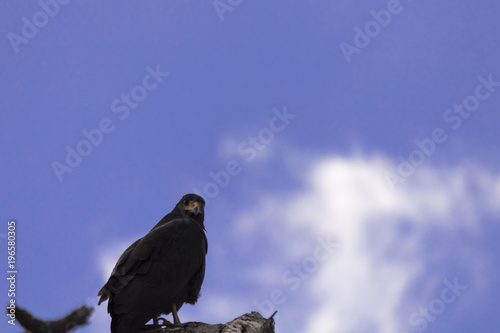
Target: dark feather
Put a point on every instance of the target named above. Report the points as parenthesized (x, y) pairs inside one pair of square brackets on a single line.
[(165, 267)]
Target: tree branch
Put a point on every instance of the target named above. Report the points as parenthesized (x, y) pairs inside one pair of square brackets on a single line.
[(249, 323), (78, 317)]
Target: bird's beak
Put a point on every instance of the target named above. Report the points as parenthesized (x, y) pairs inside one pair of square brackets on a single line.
[(196, 208)]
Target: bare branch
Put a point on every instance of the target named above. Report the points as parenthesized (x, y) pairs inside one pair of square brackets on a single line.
[(78, 317), (249, 323)]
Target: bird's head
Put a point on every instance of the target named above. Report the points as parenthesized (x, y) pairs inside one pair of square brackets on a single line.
[(192, 205)]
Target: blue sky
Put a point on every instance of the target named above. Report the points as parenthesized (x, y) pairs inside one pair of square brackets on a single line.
[(348, 151)]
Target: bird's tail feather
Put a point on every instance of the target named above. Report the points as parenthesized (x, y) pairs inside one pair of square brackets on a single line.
[(127, 324)]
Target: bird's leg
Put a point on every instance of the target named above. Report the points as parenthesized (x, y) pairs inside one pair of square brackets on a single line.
[(174, 314), (155, 319)]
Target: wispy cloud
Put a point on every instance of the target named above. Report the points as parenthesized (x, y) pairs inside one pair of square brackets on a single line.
[(107, 258), (379, 274), (110, 255)]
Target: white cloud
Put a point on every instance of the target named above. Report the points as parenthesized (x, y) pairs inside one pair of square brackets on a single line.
[(213, 308), (368, 281), (109, 256)]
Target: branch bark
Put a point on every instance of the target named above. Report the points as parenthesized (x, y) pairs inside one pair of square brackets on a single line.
[(252, 322)]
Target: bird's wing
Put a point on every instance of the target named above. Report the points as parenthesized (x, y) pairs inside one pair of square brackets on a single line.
[(117, 279), (160, 263)]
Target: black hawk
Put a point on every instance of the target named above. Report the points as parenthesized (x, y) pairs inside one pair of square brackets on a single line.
[(161, 271)]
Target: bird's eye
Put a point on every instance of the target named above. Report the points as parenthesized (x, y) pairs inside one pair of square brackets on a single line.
[(185, 201)]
